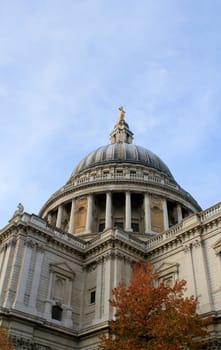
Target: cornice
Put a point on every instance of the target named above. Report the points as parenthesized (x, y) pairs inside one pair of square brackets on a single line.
[(34, 320), (113, 248), (192, 228)]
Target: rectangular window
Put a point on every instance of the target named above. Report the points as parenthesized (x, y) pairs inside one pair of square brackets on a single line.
[(101, 227), (93, 297), (119, 173), (56, 312), (135, 226), (119, 224)]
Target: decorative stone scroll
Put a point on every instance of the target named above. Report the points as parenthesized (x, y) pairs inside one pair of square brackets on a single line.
[(186, 248)]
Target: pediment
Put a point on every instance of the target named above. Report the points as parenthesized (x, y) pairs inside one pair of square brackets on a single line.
[(168, 268), (63, 269)]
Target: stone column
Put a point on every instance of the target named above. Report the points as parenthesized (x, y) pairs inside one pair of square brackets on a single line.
[(59, 216), (179, 213), (108, 218), (72, 217), (89, 213), (23, 277), (147, 214), (165, 215), (36, 278), (49, 218), (128, 212)]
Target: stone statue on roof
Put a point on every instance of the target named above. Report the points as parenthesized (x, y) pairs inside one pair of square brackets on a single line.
[(121, 114), (20, 209)]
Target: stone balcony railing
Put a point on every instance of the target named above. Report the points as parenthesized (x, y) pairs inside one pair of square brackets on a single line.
[(210, 212), (200, 218), (96, 179), (55, 232), (123, 177), (189, 222)]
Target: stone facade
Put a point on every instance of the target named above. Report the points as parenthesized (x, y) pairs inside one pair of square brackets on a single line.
[(57, 269)]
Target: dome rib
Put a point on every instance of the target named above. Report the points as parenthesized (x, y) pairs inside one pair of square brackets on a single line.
[(122, 152)]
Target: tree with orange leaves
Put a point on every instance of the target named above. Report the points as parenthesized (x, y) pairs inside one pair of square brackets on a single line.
[(5, 343), (153, 316)]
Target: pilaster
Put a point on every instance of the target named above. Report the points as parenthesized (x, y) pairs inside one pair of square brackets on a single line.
[(23, 276), (36, 278), (99, 290), (48, 302), (15, 267), (107, 288), (6, 265), (201, 276)]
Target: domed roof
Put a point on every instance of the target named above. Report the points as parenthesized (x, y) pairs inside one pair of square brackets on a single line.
[(121, 150), (122, 153), (152, 173)]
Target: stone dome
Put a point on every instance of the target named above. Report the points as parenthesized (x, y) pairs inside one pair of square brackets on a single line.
[(122, 150), (122, 153), (119, 185)]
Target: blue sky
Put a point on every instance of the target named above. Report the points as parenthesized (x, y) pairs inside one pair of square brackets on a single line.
[(65, 68)]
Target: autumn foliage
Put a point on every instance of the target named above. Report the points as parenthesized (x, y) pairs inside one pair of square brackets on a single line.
[(5, 343), (151, 315)]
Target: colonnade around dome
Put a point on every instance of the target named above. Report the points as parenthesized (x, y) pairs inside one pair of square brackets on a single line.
[(141, 213)]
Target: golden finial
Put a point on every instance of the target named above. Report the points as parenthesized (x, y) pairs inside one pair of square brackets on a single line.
[(121, 114)]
